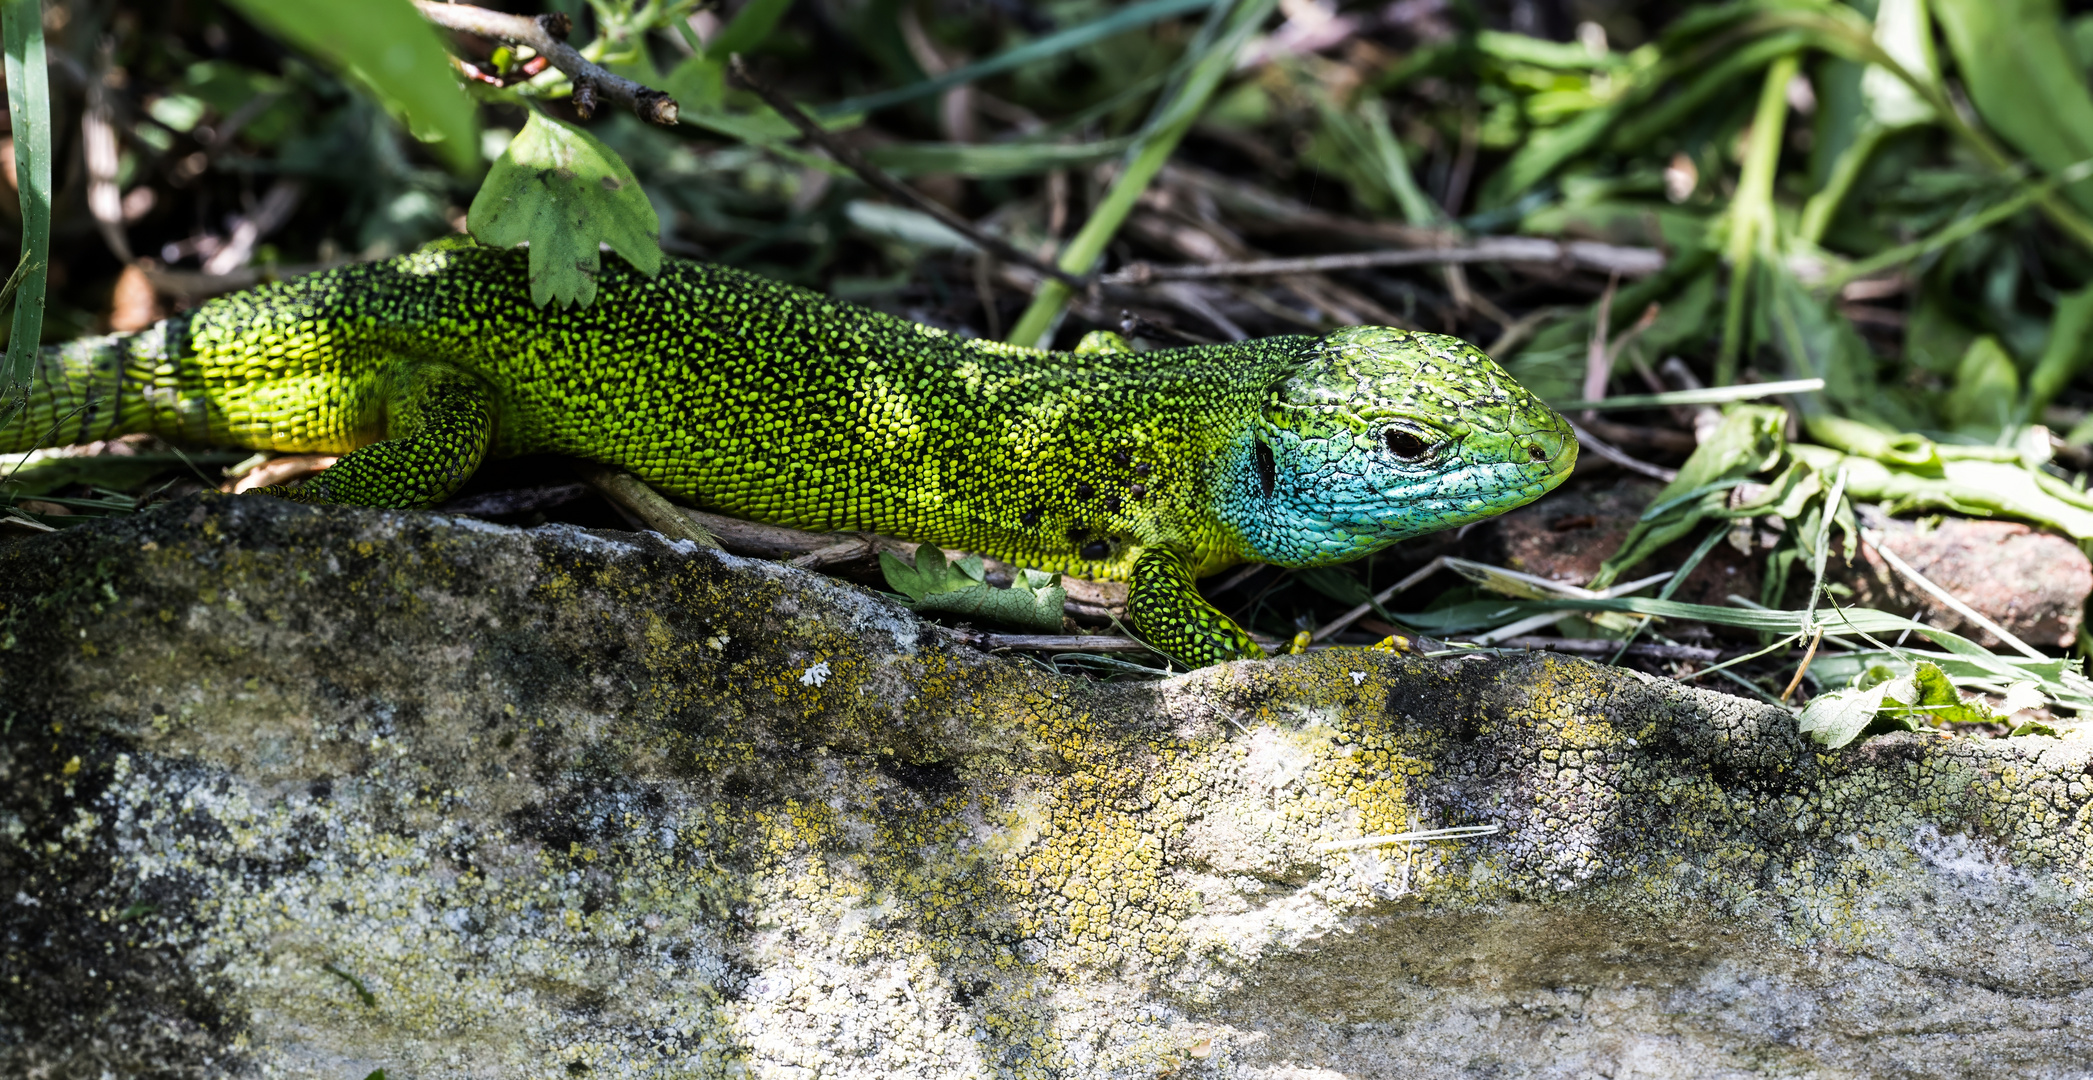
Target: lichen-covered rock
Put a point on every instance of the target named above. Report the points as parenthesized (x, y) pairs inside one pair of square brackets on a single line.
[(296, 791)]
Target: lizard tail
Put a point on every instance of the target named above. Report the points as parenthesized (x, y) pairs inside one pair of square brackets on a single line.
[(92, 389)]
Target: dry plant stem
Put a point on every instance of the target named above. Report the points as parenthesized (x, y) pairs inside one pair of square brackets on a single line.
[(589, 78), (100, 152), (1612, 453), (985, 289), (1597, 646), (1611, 258), (1945, 597), (1596, 368), (1804, 667), (892, 188), (644, 503), (1237, 578), (1054, 643)]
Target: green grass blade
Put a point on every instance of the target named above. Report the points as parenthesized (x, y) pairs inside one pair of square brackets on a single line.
[(1751, 221), (1075, 37), (29, 107), (748, 29), (1157, 141)]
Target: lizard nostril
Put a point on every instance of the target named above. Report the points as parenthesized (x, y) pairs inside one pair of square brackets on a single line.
[(1534, 451)]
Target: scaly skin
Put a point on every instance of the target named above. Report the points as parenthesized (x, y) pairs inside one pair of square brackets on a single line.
[(768, 402)]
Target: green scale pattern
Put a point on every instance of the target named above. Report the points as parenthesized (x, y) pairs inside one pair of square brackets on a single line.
[(734, 392)]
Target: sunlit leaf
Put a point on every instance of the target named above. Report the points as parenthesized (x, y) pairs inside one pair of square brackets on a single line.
[(1838, 717), (560, 191), (2016, 59), (385, 46)]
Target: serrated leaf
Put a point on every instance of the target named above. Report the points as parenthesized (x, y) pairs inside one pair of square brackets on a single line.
[(1924, 697), (1034, 601), (393, 53), (901, 577), (1932, 693), (933, 585), (562, 192)]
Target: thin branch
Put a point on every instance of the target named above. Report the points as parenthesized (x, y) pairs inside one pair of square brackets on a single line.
[(1611, 258), (895, 189), (544, 35), (1598, 366)]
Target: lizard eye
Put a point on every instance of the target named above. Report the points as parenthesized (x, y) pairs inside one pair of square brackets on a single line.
[(1406, 445)]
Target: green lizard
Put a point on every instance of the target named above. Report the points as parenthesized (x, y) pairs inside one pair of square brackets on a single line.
[(773, 403)]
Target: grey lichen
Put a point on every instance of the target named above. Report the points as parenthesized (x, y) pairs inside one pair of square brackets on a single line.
[(564, 803)]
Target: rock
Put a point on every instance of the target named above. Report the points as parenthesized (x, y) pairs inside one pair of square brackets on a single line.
[(2032, 583), (1568, 533), (302, 791)]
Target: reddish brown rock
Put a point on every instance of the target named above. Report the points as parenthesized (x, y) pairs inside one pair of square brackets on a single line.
[(1566, 535), (2031, 582)]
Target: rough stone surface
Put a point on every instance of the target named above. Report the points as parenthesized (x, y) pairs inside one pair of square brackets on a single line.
[(294, 791), (1569, 532), (2031, 582)]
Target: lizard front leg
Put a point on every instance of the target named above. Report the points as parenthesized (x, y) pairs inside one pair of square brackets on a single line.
[(441, 428), (1170, 615)]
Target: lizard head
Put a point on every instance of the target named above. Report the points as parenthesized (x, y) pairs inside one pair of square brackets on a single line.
[(1380, 434)]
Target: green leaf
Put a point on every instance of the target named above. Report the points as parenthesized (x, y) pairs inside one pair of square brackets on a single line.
[(560, 191), (1034, 600), (750, 26), (388, 48), (1973, 487), (29, 106), (1987, 389), (1905, 33), (1838, 717), (2069, 347), (1879, 700), (1750, 440), (2016, 59)]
